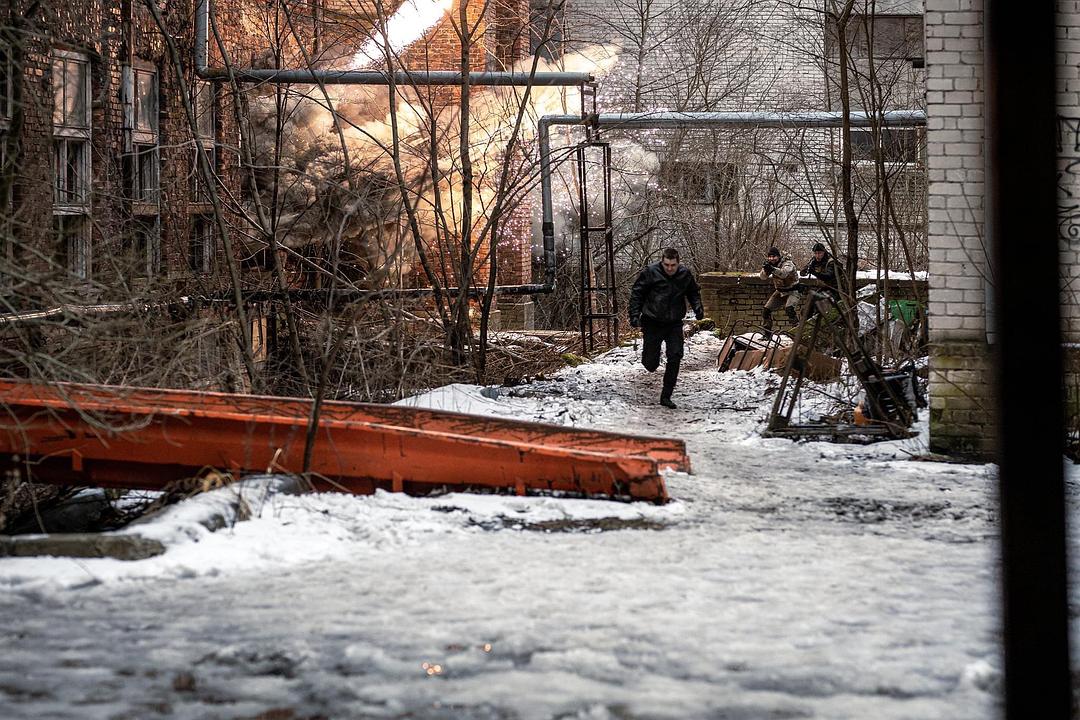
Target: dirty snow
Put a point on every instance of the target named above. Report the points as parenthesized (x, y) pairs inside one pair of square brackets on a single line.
[(786, 580)]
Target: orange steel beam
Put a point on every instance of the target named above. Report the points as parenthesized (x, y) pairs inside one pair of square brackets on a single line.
[(669, 453), (125, 437)]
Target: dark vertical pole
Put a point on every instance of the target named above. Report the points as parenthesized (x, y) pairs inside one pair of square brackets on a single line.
[(1021, 224), (586, 253), (609, 253)]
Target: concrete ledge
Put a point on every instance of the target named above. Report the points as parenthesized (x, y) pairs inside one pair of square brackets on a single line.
[(81, 545), (131, 546), (962, 420)]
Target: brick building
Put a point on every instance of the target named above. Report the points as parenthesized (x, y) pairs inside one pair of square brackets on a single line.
[(104, 202), (100, 163)]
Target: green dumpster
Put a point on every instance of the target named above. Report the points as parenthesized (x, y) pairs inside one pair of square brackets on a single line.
[(905, 310)]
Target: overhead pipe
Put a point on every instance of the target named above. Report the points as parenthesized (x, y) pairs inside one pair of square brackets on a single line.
[(630, 121), (687, 120)]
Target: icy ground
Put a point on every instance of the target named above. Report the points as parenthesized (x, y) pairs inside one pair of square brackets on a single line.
[(785, 581)]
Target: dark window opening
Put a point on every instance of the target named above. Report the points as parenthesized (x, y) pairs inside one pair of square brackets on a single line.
[(145, 246), (201, 244), (883, 37), (71, 178), (73, 243), (898, 145)]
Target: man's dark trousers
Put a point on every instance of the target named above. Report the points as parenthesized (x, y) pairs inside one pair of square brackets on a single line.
[(671, 334)]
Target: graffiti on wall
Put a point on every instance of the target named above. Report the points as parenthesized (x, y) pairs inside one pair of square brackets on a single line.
[(1068, 178)]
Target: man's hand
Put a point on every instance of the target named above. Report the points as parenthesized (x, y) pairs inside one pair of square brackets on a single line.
[(807, 271), (768, 268)]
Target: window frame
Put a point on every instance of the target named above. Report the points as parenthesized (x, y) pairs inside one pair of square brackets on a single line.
[(145, 169), (142, 140), (68, 199), (63, 127), (146, 245), (858, 50), (71, 138), (702, 183), (205, 105), (74, 246), (7, 224)]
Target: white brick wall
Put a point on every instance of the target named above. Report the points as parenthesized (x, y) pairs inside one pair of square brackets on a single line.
[(958, 265), (770, 44), (954, 146), (955, 156)]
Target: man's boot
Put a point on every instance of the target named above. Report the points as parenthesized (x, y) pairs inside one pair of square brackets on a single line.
[(671, 374)]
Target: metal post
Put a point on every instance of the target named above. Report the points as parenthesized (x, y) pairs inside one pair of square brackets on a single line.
[(1021, 221)]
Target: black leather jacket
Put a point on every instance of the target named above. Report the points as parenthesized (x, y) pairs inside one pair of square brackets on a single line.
[(661, 298), (825, 271)]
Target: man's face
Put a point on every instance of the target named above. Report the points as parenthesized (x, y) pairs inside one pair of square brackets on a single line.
[(819, 255), (670, 265), (774, 259)]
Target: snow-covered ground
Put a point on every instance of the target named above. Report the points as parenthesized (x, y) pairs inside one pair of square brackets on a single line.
[(785, 581)]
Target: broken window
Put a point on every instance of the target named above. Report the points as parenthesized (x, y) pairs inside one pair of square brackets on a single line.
[(883, 37), (701, 183), (204, 104), (201, 244), (141, 89)]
